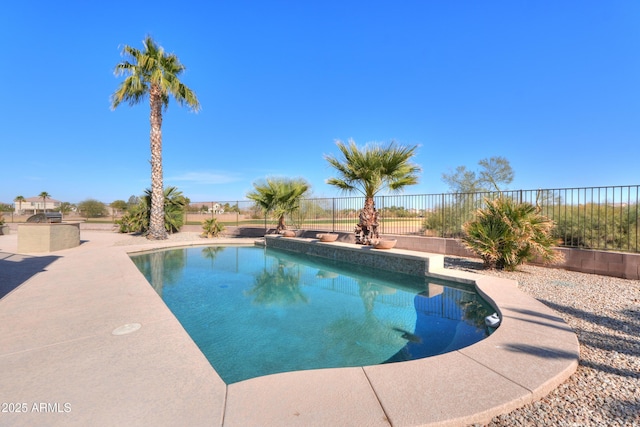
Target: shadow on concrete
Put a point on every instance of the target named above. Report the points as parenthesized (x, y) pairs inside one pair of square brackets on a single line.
[(15, 269), (546, 320), (464, 264), (543, 352)]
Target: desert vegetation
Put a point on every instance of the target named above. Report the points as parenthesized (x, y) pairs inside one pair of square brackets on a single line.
[(280, 197), (505, 234), (369, 170), (137, 218)]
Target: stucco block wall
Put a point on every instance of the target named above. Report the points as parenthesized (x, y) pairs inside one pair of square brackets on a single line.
[(615, 264), (398, 261), (47, 237), (436, 245)]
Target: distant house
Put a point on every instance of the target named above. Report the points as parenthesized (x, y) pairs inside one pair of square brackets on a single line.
[(213, 207), (34, 205), (217, 209)]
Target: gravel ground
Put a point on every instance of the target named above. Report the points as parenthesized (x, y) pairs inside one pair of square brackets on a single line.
[(604, 312)]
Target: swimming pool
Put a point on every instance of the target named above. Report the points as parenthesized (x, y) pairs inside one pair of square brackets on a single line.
[(256, 311)]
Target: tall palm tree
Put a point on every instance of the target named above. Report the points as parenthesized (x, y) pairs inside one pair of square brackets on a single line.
[(19, 199), (153, 72), (280, 195), (44, 196), (369, 170)]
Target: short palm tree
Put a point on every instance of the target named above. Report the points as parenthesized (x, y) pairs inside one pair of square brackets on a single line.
[(211, 228), (174, 206), (279, 286), (281, 196), (44, 196), (505, 234), (154, 73), (19, 199), (138, 217), (369, 170)]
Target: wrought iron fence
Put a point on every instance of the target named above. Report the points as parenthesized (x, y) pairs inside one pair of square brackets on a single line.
[(589, 217)]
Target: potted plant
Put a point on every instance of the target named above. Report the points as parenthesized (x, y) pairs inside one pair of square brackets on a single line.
[(327, 237), (384, 243)]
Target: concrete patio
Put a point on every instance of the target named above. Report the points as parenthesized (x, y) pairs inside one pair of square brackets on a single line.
[(64, 363)]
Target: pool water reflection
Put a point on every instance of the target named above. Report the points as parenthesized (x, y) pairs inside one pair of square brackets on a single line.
[(256, 311)]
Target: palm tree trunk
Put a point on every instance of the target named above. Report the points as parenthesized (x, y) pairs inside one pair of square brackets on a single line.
[(156, 261), (156, 220), (368, 224), (281, 224)]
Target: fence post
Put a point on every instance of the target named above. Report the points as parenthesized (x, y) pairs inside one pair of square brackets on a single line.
[(443, 216), (601, 218), (381, 223), (333, 214)]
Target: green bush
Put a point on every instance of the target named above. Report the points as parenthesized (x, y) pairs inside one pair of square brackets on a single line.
[(505, 234), (447, 220), (442, 222), (136, 219), (603, 226), (92, 208), (211, 228)]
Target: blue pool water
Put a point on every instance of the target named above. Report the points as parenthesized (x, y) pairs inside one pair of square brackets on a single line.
[(255, 311)]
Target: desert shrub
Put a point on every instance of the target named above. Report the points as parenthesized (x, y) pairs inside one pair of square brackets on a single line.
[(598, 226), (92, 208), (506, 233), (136, 219), (445, 221), (211, 228), (436, 222)]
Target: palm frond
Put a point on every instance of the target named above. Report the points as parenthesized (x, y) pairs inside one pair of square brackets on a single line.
[(148, 67), (505, 234), (280, 196), (373, 167)]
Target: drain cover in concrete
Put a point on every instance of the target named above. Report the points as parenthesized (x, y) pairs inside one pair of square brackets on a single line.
[(126, 329)]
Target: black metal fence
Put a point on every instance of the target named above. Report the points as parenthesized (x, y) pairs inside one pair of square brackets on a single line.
[(604, 218)]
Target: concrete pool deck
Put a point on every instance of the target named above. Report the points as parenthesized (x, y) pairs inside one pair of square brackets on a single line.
[(64, 364)]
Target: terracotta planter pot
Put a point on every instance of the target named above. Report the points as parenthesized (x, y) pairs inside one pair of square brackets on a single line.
[(329, 237), (385, 244)]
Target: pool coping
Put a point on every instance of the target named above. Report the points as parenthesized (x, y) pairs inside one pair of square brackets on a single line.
[(58, 347)]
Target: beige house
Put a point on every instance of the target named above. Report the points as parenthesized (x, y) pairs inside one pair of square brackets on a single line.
[(34, 205)]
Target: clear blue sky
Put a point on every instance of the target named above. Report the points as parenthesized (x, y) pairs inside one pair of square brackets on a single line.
[(553, 86)]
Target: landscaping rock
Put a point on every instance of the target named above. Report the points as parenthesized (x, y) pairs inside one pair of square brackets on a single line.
[(605, 314)]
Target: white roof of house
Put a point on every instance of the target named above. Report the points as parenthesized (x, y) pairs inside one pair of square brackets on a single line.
[(39, 199)]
